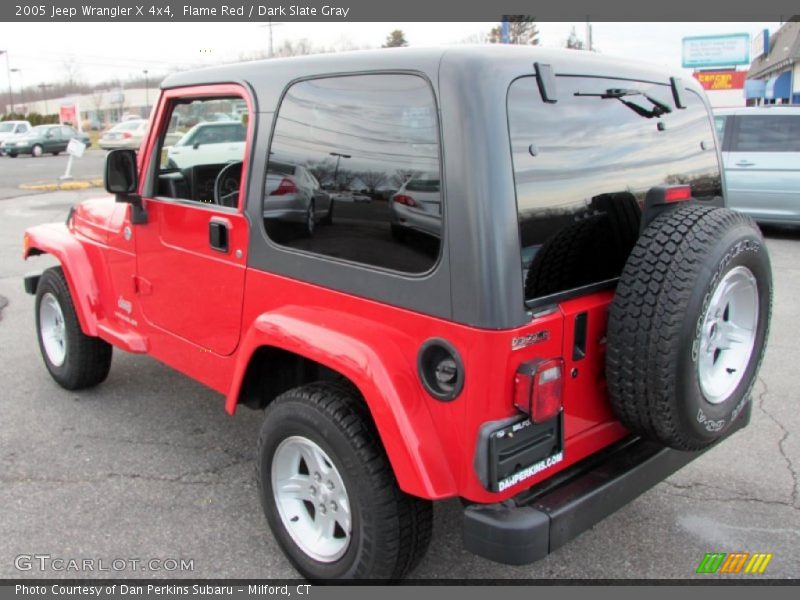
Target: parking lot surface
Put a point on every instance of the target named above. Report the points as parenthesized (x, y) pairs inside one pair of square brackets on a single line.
[(46, 169), (148, 465)]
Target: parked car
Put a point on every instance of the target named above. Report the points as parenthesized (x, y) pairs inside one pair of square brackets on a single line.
[(294, 196), (417, 206), (127, 134), (208, 143), (393, 374), (52, 139), (10, 130), (761, 155)]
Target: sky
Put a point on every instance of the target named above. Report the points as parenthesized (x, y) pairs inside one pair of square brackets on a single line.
[(104, 51)]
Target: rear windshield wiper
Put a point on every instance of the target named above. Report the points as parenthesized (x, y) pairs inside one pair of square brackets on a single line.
[(659, 108)]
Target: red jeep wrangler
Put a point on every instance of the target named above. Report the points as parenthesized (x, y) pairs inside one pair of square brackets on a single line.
[(500, 274)]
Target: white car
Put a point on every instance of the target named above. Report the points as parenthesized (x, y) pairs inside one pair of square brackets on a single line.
[(12, 129), (208, 144)]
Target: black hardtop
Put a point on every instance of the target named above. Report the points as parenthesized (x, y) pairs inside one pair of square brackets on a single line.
[(269, 77)]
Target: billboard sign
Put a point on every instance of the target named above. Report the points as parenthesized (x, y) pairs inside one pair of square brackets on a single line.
[(760, 44), (716, 50), (721, 80)]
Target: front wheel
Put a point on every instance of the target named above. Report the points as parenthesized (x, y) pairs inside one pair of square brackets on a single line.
[(329, 493), (74, 359), (37, 150)]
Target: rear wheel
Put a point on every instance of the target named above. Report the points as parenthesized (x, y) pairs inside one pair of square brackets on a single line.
[(329, 493), (74, 359), (688, 325)]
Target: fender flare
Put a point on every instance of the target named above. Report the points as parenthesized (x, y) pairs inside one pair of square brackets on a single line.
[(55, 239), (394, 399)]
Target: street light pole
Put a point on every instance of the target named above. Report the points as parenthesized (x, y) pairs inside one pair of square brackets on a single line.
[(339, 157), (8, 72), (21, 91), (146, 94)]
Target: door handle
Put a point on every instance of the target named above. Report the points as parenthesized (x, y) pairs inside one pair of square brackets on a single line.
[(744, 163), (218, 234)]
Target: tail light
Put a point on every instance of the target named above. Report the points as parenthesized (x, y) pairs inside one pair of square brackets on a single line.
[(677, 193), (286, 186), (538, 387), (127, 135), (404, 199)]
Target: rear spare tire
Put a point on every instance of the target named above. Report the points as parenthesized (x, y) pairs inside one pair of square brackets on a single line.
[(688, 325)]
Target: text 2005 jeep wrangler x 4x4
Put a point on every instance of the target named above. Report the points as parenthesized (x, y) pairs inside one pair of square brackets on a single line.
[(500, 274)]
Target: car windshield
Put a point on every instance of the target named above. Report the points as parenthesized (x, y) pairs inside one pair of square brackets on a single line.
[(6, 127)]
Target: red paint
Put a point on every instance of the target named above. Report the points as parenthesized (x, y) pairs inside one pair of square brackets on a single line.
[(165, 292)]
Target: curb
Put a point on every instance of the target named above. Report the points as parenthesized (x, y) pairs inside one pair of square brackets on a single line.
[(66, 185)]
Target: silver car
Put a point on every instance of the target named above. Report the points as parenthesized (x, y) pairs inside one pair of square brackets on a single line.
[(417, 206), (294, 196), (761, 156)]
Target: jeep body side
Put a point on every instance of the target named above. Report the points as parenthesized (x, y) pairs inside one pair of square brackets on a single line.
[(206, 290)]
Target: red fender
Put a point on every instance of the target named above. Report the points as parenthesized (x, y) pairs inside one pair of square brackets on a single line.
[(55, 239), (381, 373)]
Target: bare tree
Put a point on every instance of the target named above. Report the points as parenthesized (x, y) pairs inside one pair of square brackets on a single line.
[(72, 73), (322, 170), (402, 175), (373, 179), (521, 30), (345, 178)]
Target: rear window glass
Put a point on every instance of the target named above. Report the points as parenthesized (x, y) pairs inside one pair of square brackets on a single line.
[(371, 143), (767, 133), (582, 168)]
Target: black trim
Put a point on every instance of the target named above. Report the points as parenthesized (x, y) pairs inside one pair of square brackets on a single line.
[(31, 282), (428, 377), (548, 515), (606, 284)]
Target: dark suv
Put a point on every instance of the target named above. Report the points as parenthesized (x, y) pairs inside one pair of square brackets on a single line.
[(584, 318)]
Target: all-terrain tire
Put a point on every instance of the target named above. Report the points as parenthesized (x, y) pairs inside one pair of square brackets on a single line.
[(391, 530), (86, 360), (657, 325)]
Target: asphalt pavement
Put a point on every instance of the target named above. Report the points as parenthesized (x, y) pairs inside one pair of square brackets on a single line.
[(148, 465), (26, 170)]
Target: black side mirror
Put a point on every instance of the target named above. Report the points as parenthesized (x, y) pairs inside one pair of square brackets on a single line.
[(122, 179), (121, 176)]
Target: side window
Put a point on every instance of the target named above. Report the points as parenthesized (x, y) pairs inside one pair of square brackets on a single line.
[(201, 157), (21, 128), (364, 142), (767, 133), (68, 132)]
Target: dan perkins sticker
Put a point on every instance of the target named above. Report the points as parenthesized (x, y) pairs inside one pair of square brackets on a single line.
[(529, 472)]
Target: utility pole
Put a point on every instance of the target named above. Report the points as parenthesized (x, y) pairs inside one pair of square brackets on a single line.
[(339, 157), (269, 26), (21, 91), (588, 36), (146, 94), (505, 32), (8, 72)]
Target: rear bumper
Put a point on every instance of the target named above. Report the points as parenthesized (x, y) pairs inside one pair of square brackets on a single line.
[(545, 517)]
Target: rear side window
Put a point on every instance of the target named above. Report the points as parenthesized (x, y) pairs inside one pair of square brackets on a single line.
[(370, 144), (582, 168), (767, 133)]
